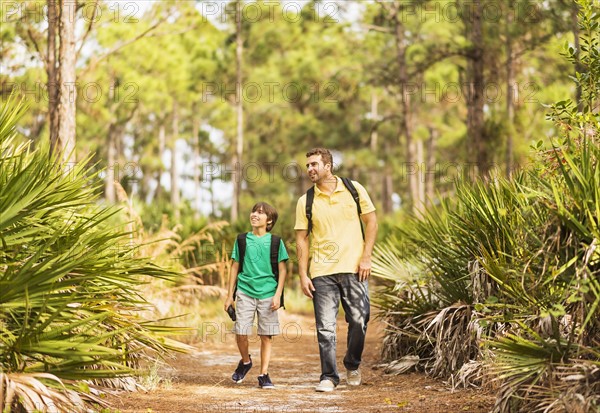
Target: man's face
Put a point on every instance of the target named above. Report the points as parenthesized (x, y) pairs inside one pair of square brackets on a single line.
[(316, 169)]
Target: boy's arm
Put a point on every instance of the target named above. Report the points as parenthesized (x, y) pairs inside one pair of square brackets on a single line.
[(280, 284), (282, 276), (233, 274)]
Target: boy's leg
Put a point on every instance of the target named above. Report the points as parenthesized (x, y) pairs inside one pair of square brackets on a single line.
[(264, 381), (356, 304), (243, 346), (326, 302), (245, 309), (268, 326), (266, 343), (245, 364)]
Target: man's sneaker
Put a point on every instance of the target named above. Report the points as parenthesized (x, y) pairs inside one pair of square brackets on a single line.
[(264, 381), (353, 377), (241, 371), (325, 385)]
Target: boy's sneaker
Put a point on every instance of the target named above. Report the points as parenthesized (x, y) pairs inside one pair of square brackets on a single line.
[(325, 385), (241, 371), (264, 381), (353, 377)]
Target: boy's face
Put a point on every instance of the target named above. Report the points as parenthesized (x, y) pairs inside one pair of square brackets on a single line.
[(258, 218)]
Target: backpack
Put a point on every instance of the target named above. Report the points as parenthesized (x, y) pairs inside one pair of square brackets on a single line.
[(274, 256), (310, 197)]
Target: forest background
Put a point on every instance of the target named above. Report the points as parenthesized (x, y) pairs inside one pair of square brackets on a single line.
[(189, 112), (409, 95)]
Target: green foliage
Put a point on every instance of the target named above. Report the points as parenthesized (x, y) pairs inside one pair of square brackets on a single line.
[(69, 301), (506, 277), (308, 80)]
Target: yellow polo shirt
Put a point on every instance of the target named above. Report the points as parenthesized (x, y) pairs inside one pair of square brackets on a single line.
[(336, 242)]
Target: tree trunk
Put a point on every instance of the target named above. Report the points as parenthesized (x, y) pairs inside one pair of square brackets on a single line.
[(510, 97), (373, 174), (197, 171), (111, 147), (387, 189), (237, 159), (405, 124), (52, 72), (211, 190), (578, 67), (174, 166), (145, 171), (420, 156), (430, 176), (375, 116), (67, 76), (161, 151), (475, 119), (111, 159)]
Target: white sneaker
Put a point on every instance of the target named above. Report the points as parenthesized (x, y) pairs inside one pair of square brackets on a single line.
[(325, 385), (353, 377)]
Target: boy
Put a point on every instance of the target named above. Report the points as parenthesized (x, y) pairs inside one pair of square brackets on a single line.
[(259, 291)]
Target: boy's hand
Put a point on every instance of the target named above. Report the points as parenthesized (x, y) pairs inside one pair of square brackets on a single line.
[(228, 302), (276, 303)]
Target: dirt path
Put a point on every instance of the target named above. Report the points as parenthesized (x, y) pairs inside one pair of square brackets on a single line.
[(201, 381)]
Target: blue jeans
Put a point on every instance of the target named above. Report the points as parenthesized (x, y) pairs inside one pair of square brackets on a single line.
[(354, 296)]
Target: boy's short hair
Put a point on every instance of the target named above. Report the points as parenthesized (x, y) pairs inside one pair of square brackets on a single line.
[(270, 211), (325, 155)]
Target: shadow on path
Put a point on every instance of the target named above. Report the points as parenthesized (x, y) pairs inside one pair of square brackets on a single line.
[(201, 381)]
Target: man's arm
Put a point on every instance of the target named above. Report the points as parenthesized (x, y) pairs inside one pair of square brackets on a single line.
[(302, 254), (364, 267)]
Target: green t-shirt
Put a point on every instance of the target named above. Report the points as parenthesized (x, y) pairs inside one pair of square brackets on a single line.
[(257, 279)]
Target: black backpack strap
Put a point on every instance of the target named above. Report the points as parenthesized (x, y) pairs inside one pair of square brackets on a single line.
[(310, 197), (275, 242), (352, 189), (241, 241)]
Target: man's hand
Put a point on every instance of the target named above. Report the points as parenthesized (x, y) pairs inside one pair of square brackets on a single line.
[(307, 286), (364, 269)]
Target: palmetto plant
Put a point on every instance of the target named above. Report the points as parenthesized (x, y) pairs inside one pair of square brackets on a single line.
[(69, 306), (504, 282)]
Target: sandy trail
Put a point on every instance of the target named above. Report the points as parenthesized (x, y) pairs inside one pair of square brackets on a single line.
[(201, 381)]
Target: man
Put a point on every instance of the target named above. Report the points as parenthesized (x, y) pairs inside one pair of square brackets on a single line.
[(340, 264)]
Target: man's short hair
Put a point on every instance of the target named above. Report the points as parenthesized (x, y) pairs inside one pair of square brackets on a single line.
[(325, 155), (270, 211)]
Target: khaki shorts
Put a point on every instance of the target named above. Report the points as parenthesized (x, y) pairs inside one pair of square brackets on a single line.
[(245, 310)]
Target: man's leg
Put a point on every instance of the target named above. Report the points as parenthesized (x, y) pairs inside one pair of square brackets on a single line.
[(356, 304), (326, 300)]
